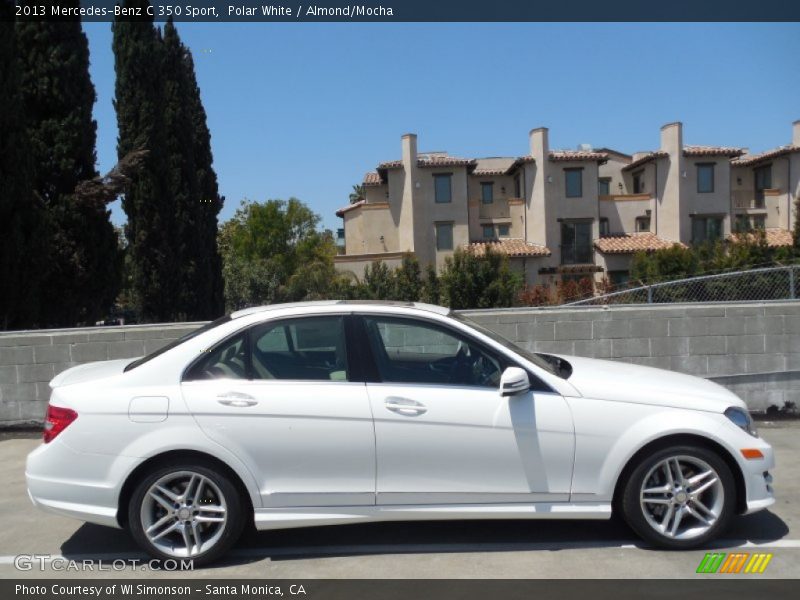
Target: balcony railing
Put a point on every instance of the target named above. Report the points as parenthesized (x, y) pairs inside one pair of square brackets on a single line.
[(748, 199)]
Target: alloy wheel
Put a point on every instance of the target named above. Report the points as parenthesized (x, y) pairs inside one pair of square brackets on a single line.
[(682, 497), (183, 514)]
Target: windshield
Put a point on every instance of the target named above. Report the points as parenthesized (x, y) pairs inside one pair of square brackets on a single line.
[(533, 357), (178, 342)]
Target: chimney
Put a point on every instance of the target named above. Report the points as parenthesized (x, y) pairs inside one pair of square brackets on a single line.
[(539, 143), (409, 151), (672, 138), (796, 133)]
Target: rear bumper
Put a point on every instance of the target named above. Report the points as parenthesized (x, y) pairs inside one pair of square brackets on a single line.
[(82, 486)]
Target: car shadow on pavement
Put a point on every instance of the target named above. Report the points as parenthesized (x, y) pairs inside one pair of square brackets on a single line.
[(430, 537)]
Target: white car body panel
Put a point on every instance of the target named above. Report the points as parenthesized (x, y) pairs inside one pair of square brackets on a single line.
[(313, 453)]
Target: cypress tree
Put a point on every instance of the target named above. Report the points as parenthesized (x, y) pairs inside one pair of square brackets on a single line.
[(209, 281), (182, 176), (58, 96), (139, 102), (22, 218)]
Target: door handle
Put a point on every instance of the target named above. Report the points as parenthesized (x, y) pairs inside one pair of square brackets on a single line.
[(404, 406), (236, 399)]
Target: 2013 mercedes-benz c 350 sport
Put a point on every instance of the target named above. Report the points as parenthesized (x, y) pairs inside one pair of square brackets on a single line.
[(341, 412)]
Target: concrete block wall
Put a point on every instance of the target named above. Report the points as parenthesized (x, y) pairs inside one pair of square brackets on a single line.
[(751, 348), (30, 359)]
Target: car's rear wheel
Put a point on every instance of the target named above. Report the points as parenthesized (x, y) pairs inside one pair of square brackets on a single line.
[(187, 511), (680, 497)]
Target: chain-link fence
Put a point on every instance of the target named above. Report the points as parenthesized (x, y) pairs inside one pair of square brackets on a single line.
[(774, 283)]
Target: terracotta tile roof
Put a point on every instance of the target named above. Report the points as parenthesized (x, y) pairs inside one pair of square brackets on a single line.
[(497, 165), (562, 155), (353, 206), (775, 237), (645, 159), (433, 161), (488, 172), (372, 178), (513, 247), (751, 159), (712, 151), (627, 243)]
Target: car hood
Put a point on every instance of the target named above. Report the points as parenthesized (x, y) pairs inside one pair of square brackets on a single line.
[(624, 382), (90, 372)]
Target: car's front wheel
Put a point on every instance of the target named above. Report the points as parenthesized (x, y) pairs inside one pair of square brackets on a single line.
[(187, 511), (680, 497)]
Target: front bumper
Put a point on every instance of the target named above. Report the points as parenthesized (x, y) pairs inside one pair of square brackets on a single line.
[(758, 480)]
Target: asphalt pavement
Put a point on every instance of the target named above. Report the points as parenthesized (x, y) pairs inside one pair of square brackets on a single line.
[(455, 549)]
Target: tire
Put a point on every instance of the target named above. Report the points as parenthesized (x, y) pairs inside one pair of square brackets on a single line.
[(165, 520), (702, 499)]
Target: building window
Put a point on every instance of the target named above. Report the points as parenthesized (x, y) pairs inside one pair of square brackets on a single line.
[(444, 236), (576, 242), (706, 229), (746, 223), (487, 192), (763, 178), (638, 182), (604, 186), (488, 232), (642, 224), (517, 187), (573, 182), (603, 226), (442, 186), (618, 278), (705, 178), (503, 230)]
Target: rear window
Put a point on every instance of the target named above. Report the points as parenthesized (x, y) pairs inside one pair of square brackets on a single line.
[(178, 342)]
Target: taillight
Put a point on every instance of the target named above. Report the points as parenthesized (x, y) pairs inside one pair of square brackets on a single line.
[(56, 421)]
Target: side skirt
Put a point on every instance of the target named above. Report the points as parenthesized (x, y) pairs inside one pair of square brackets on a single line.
[(285, 518)]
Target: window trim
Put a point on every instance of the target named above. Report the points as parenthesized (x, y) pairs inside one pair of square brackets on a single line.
[(640, 219), (449, 176), (483, 232), (607, 181), (503, 235), (490, 186), (600, 223), (637, 177), (452, 235), (712, 165), (705, 217), (567, 172), (537, 383), (247, 331), (561, 244)]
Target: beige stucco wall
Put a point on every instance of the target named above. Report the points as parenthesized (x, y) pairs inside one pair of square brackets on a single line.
[(716, 203), (622, 213)]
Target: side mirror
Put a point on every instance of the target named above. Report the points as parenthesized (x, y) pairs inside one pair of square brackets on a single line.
[(514, 381)]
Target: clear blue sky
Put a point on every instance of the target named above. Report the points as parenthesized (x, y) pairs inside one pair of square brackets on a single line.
[(305, 110)]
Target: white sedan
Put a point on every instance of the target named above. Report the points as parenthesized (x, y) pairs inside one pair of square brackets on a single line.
[(343, 412)]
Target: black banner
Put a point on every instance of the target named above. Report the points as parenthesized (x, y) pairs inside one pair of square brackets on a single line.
[(397, 589), (423, 10)]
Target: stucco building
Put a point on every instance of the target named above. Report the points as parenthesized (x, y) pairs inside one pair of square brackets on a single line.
[(569, 213)]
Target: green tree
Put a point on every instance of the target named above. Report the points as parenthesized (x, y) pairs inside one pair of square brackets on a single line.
[(208, 283), (470, 281), (430, 291), (357, 194), (139, 102), (22, 216), (273, 252), (378, 281), (407, 280), (58, 95)]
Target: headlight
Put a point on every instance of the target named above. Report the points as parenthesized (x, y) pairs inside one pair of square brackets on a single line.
[(742, 419)]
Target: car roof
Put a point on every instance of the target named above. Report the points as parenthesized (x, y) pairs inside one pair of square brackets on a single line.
[(440, 310)]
